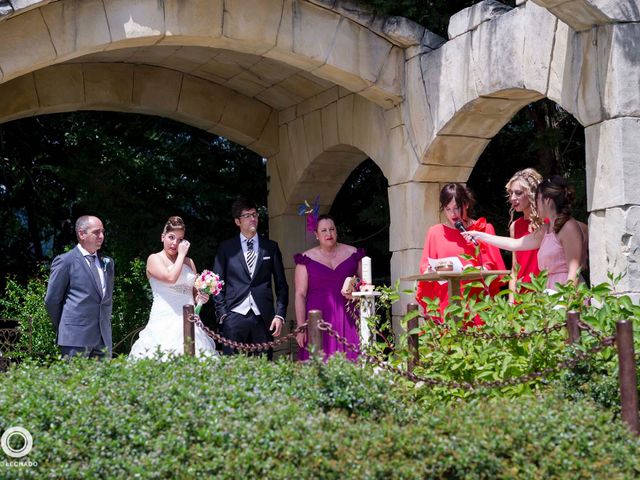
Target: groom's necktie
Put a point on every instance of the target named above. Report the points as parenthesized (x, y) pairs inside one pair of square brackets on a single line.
[(251, 256), (94, 270)]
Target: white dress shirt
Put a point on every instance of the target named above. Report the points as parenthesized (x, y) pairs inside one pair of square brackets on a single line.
[(248, 303), (98, 266)]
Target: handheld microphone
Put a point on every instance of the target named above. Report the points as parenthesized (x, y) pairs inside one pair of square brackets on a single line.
[(460, 226)]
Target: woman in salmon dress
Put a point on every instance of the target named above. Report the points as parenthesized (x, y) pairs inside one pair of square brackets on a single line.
[(445, 240)]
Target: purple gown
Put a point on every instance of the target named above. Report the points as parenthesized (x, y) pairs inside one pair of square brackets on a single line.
[(323, 293)]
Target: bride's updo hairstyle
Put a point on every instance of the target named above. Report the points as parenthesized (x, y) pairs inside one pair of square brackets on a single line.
[(174, 223), (561, 194)]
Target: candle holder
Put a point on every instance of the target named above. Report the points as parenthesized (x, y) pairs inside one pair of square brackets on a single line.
[(367, 302)]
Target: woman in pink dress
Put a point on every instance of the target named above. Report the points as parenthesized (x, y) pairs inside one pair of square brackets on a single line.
[(319, 278), (562, 242), (521, 194)]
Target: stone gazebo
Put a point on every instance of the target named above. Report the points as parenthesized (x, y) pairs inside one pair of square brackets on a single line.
[(317, 86)]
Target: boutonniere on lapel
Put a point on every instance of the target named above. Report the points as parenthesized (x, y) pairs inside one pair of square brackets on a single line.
[(105, 263)]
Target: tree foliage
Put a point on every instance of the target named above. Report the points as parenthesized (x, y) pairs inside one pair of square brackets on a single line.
[(542, 135), (433, 14), (361, 212), (132, 171)]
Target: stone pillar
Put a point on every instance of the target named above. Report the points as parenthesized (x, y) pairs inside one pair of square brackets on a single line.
[(414, 207), (613, 172), (289, 231)]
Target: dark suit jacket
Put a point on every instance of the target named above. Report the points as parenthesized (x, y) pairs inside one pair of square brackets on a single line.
[(230, 264), (81, 316)]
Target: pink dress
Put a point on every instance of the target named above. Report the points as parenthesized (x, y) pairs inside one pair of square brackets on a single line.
[(323, 293), (551, 258)]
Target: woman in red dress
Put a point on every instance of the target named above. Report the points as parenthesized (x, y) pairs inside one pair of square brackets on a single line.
[(521, 194), (444, 240)]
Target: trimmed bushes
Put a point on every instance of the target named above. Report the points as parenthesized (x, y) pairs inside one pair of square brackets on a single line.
[(248, 418)]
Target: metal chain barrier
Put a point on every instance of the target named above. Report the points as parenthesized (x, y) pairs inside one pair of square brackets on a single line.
[(588, 328), (245, 347), (351, 307), (604, 342), (563, 365), (511, 336)]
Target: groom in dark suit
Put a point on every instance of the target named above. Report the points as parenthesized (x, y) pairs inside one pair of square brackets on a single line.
[(79, 294), (247, 263)]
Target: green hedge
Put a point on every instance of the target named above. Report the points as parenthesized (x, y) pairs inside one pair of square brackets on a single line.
[(248, 418)]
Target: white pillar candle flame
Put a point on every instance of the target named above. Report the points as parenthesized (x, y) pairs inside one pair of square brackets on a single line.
[(366, 270)]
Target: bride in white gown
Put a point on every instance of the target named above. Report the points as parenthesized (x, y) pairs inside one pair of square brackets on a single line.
[(171, 275)]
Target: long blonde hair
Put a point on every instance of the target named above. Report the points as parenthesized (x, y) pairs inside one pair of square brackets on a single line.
[(529, 178)]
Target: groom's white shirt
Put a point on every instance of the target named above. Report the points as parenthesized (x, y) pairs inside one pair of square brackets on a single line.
[(248, 303), (84, 253)]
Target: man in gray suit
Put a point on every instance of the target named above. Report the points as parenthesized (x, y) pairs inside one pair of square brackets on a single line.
[(79, 294)]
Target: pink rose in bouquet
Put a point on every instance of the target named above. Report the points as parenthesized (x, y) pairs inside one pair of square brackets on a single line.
[(208, 283)]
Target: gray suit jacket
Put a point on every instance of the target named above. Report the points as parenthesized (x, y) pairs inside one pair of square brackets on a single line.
[(80, 314)]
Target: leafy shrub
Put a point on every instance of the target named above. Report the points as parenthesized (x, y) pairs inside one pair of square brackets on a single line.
[(26, 304), (455, 351), (248, 418), (131, 303)]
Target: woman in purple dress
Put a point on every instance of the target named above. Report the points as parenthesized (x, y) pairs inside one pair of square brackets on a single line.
[(319, 278)]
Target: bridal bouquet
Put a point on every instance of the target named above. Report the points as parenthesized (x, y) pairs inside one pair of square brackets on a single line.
[(208, 283)]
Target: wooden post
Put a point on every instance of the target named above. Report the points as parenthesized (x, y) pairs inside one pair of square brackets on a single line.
[(412, 339), (188, 331), (573, 329), (627, 375), (314, 335)]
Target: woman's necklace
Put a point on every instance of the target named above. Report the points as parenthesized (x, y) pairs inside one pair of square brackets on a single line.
[(329, 255)]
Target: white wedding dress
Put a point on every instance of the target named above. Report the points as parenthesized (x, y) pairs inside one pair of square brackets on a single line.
[(164, 331)]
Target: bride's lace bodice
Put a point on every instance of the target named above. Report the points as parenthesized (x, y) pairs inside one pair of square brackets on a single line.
[(174, 296)]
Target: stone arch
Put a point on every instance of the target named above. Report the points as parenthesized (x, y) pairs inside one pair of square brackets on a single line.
[(142, 89), (583, 15), (470, 92), (347, 48), (324, 177)]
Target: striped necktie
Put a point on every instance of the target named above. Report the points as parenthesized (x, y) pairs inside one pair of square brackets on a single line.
[(251, 256), (94, 270)]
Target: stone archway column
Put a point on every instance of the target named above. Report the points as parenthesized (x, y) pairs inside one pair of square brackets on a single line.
[(613, 170), (289, 231), (414, 207)]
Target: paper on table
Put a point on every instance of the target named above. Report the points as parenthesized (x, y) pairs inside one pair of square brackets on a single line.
[(455, 262)]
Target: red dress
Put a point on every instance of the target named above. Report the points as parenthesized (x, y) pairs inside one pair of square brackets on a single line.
[(444, 241), (527, 259)]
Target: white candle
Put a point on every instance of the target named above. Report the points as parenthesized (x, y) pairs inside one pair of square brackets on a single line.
[(366, 270)]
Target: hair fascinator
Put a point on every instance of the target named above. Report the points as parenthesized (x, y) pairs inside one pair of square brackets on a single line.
[(312, 212)]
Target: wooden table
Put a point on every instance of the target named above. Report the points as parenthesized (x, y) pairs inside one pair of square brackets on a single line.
[(453, 279)]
